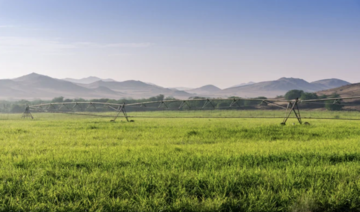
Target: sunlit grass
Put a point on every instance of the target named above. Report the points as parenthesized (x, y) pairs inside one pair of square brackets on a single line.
[(59, 162)]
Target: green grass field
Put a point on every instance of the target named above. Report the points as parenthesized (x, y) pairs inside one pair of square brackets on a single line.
[(60, 162)]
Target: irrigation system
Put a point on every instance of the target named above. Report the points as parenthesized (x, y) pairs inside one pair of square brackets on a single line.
[(290, 107)]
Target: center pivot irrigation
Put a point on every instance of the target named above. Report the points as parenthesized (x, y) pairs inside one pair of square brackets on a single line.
[(290, 107)]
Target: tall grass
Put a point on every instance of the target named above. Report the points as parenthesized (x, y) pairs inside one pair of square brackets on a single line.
[(71, 163)]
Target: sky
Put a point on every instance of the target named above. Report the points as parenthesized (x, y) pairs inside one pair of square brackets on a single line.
[(187, 43)]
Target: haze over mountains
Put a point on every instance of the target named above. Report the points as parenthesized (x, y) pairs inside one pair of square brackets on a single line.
[(36, 86), (281, 86), (88, 80), (343, 91), (207, 90)]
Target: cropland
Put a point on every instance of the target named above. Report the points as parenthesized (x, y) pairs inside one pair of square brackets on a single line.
[(175, 162)]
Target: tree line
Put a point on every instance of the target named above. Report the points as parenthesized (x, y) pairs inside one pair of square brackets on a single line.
[(329, 105), (203, 103)]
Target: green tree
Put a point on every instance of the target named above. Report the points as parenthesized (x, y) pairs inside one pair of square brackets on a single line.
[(159, 97), (58, 99), (293, 94), (17, 109), (333, 104), (222, 105), (68, 100), (261, 97), (254, 102), (170, 98), (79, 100), (305, 96)]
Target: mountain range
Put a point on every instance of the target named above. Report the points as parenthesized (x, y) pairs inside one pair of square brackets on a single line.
[(88, 80), (36, 86), (343, 91), (281, 86)]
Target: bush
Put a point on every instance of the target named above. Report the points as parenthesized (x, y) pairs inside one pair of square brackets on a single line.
[(293, 94), (58, 99), (305, 96), (254, 102), (17, 109), (331, 104)]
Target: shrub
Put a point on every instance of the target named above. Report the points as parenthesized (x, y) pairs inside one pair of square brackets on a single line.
[(332, 105), (293, 94)]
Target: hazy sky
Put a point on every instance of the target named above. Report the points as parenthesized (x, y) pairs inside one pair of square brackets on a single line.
[(181, 42)]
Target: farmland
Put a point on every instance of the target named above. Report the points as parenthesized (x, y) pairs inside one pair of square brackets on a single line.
[(60, 162)]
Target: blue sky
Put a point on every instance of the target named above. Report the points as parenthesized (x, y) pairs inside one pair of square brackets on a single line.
[(181, 42)]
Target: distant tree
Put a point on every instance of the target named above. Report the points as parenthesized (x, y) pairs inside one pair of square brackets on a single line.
[(79, 100), (17, 109), (254, 102), (99, 100), (58, 99), (261, 97), (197, 97), (159, 97), (112, 101), (333, 105), (37, 102), (68, 100), (24, 102), (310, 96), (222, 105), (293, 94), (305, 96), (234, 97), (170, 98)]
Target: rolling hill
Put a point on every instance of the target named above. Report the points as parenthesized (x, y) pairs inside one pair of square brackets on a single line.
[(87, 80), (330, 83), (280, 87), (243, 84), (205, 90), (343, 91), (138, 89), (36, 86)]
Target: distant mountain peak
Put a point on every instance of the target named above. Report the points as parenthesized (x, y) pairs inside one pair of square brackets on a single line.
[(33, 73), (331, 80), (210, 86), (330, 83), (291, 79), (243, 84), (88, 80), (35, 85), (205, 90), (32, 76)]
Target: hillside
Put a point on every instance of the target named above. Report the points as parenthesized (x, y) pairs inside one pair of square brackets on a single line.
[(343, 91), (205, 90), (243, 84), (330, 83), (280, 87), (10, 89), (87, 80), (138, 89), (270, 88), (34, 86)]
